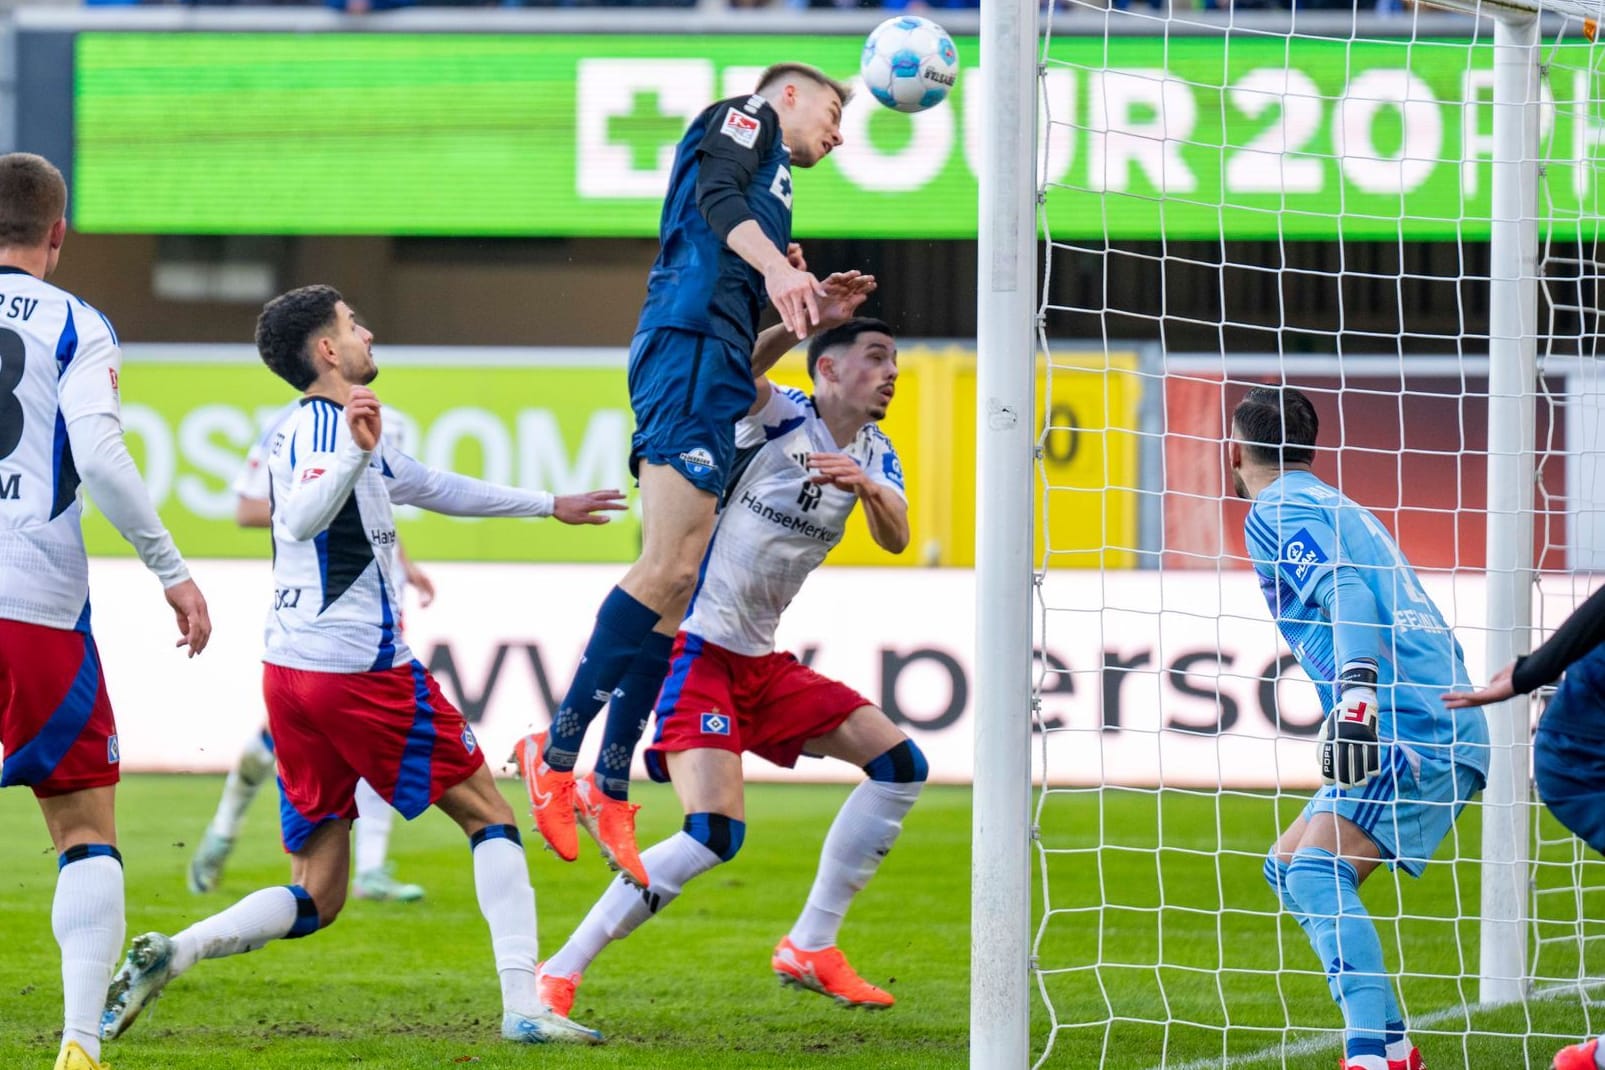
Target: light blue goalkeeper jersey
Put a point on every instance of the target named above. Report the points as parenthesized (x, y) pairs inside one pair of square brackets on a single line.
[(1339, 589)]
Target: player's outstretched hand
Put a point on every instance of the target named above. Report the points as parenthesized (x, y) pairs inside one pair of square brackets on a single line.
[(795, 295), (362, 415), (591, 507), (1498, 690), (838, 470), (194, 622), (845, 292)]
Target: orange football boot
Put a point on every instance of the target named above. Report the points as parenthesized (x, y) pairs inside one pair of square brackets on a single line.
[(551, 796), (827, 972), (611, 823), (556, 992)]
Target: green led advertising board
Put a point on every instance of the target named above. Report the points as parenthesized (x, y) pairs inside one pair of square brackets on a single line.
[(557, 135)]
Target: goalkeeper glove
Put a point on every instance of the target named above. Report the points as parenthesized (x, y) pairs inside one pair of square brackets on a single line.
[(1350, 753)]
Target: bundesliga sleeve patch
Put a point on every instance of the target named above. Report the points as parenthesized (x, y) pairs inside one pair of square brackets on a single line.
[(742, 129), (1300, 555)]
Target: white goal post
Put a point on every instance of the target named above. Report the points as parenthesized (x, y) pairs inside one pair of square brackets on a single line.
[(1011, 430)]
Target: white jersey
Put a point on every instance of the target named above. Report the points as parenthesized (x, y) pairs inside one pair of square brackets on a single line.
[(253, 481), (777, 526), (58, 361), (335, 607)]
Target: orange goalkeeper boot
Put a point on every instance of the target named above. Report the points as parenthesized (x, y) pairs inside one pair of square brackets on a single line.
[(827, 972), (551, 796), (556, 991), (1582, 1056), (611, 823)]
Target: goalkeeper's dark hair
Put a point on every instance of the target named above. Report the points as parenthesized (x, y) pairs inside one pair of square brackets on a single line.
[(286, 326), (844, 335), (1277, 425)]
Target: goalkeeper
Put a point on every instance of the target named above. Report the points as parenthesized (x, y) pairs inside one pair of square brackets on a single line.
[(1398, 768), (1569, 748)]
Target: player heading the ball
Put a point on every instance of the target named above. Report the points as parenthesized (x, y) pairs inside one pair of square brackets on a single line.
[(346, 700), (1398, 767), (725, 250)]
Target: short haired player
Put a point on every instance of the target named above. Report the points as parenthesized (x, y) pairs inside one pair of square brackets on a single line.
[(254, 767), (61, 427), (725, 249), (345, 698), (1569, 746), (802, 465), (1398, 768)]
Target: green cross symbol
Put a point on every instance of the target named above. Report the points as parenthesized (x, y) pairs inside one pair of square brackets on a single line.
[(644, 129)]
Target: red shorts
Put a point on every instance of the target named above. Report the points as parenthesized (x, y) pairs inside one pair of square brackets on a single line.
[(392, 728), (56, 725), (770, 705)]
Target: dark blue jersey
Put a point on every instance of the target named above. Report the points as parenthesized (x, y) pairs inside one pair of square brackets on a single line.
[(731, 165)]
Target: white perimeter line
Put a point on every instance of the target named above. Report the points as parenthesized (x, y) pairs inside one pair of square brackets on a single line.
[(1333, 1040)]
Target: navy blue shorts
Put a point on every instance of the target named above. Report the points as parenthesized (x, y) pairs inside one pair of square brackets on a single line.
[(1570, 774), (687, 391)]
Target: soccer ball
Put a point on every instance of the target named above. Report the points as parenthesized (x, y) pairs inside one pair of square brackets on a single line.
[(909, 63)]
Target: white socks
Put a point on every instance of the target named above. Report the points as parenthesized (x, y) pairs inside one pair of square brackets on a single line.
[(87, 918), (501, 881), (260, 917), (864, 830), (623, 907), (372, 828), (254, 768)]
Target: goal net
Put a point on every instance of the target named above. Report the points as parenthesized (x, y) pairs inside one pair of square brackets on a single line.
[(1324, 200)]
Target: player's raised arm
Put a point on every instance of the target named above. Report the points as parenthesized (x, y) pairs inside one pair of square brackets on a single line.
[(411, 483), (328, 462)]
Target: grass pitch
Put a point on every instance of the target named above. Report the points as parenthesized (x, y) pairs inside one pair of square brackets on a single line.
[(1195, 970)]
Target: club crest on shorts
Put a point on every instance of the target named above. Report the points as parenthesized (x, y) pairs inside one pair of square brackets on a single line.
[(715, 724), (470, 744), (114, 753), (698, 461)]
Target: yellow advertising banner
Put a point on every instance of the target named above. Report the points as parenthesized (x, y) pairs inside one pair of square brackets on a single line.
[(1088, 437)]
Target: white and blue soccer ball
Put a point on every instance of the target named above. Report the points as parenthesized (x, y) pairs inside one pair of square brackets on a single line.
[(909, 63)]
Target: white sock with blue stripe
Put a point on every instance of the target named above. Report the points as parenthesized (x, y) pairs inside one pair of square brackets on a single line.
[(623, 907), (87, 919), (507, 899), (864, 830), (263, 916)]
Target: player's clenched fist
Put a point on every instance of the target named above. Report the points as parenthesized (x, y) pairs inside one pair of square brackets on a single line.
[(194, 622), (591, 507), (362, 416), (1350, 752)]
